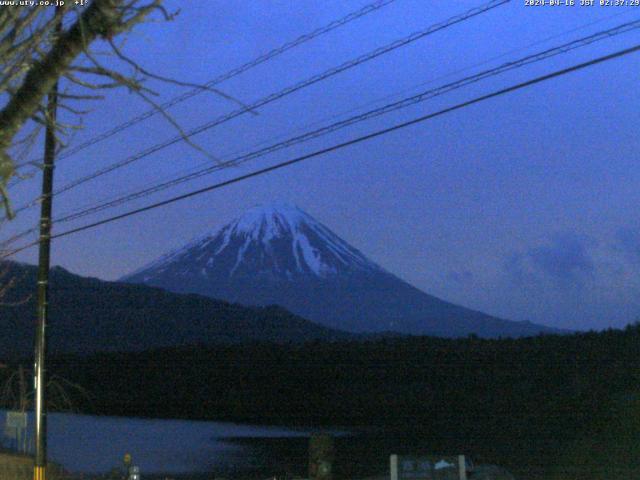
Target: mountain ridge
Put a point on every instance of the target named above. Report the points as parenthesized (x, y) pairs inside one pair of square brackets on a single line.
[(278, 254), (267, 225), (90, 315)]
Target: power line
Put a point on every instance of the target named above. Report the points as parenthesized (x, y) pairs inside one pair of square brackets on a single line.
[(282, 93), (199, 168), (412, 100), (378, 133), (420, 97), (228, 75), (431, 81), (396, 94)]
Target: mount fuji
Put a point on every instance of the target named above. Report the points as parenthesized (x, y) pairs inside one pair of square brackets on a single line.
[(279, 255)]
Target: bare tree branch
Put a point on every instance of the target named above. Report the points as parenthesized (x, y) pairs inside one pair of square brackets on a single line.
[(33, 59), (147, 73), (38, 72)]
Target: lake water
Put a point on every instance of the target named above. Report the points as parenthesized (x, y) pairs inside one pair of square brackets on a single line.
[(91, 444)]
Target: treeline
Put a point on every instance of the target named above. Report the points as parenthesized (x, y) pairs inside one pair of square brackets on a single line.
[(539, 404)]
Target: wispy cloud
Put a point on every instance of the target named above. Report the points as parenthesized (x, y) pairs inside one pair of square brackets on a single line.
[(565, 258)]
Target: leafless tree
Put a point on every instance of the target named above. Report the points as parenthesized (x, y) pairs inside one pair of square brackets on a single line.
[(16, 394), (41, 45)]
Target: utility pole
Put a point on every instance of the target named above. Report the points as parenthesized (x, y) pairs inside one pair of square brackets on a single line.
[(44, 255)]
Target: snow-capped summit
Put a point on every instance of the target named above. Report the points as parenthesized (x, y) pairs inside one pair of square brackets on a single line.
[(285, 232), (268, 221), (278, 241), (278, 254)]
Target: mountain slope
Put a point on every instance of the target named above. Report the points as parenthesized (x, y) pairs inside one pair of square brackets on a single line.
[(280, 255), (89, 315)]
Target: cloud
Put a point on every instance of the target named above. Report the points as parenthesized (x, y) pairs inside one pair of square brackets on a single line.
[(564, 259), (627, 241), (516, 269), (571, 280)]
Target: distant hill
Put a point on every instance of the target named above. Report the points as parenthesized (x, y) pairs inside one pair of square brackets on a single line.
[(90, 315), (278, 254)]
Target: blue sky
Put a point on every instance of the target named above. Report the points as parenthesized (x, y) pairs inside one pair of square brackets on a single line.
[(524, 206)]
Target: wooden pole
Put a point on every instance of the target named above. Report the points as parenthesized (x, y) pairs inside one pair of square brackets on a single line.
[(44, 260)]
